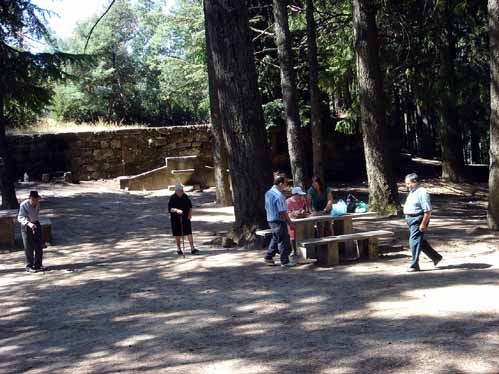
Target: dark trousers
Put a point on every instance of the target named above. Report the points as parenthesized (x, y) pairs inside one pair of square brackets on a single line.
[(33, 246), (280, 241), (417, 242)]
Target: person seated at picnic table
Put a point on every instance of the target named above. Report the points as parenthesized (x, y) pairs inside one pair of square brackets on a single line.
[(320, 201), (297, 208)]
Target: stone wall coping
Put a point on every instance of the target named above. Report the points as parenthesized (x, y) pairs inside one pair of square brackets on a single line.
[(121, 130)]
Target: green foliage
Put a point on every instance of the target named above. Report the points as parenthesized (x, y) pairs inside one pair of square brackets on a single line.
[(150, 66), (25, 76), (273, 113)]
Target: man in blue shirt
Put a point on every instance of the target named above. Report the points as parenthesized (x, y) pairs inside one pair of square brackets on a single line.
[(417, 210), (277, 217)]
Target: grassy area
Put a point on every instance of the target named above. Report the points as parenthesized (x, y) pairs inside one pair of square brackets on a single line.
[(51, 126)]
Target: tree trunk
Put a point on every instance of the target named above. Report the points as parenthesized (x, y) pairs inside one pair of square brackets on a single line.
[(475, 135), (450, 130), (289, 94), (240, 108), (9, 199), (493, 209), (315, 100), (223, 193), (383, 194)]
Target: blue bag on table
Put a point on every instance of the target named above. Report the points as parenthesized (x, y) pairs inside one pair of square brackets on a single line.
[(339, 209), (361, 207)]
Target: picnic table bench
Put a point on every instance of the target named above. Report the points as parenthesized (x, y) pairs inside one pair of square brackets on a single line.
[(46, 224), (7, 227), (327, 249)]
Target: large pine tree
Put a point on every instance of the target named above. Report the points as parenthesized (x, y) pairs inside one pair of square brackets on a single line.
[(315, 100), (24, 76), (240, 107), (383, 194), (493, 210), (221, 163), (289, 93)]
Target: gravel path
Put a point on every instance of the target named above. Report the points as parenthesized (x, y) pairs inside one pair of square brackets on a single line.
[(117, 299)]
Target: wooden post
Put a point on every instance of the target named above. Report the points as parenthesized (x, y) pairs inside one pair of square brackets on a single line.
[(301, 252), (330, 256), (349, 245), (372, 248), (308, 232), (300, 231), (363, 248)]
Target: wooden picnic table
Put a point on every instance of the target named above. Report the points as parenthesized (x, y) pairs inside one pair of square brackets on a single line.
[(342, 225)]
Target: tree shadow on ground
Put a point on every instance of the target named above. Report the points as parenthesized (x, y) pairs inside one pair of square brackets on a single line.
[(118, 299), (183, 314)]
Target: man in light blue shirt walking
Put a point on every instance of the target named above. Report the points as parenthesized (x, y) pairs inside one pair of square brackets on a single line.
[(417, 210), (278, 219)]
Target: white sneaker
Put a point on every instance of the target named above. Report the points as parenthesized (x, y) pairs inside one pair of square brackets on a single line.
[(289, 264)]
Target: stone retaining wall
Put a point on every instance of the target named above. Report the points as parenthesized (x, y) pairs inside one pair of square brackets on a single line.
[(107, 154)]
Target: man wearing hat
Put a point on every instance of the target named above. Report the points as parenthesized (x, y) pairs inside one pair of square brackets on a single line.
[(297, 208), (180, 209), (31, 232)]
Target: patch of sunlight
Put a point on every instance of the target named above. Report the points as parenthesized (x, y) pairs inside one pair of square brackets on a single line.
[(216, 218), (181, 317), (184, 265), (19, 309), (144, 295), (9, 348), (131, 340), (343, 370), (51, 350), (442, 302), (234, 366), (270, 307), (224, 260), (255, 328), (142, 316), (198, 320), (312, 300), (250, 307), (98, 354), (318, 325)]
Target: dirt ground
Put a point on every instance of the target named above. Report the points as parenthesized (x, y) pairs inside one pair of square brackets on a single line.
[(117, 299)]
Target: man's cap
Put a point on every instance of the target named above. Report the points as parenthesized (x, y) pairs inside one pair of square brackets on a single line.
[(179, 187), (297, 191), (34, 194)]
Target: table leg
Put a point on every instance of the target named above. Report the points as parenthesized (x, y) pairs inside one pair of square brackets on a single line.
[(329, 255), (300, 230), (372, 248), (310, 233), (350, 250)]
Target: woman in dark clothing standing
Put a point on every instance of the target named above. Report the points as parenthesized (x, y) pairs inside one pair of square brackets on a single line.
[(180, 208)]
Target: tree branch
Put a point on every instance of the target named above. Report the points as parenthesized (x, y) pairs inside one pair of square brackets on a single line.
[(96, 23)]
